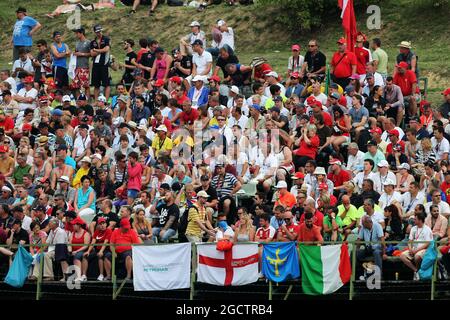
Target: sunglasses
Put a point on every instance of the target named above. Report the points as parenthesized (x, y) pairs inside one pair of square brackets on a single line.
[(220, 119), (311, 46), (287, 220)]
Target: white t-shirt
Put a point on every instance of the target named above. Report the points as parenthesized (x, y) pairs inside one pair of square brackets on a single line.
[(282, 88), (265, 163), (242, 122), (386, 200), (440, 148), (378, 181), (228, 232), (25, 65), (322, 97), (32, 93), (420, 234), (13, 84), (376, 217), (409, 203), (227, 38), (26, 222), (385, 136), (81, 144), (444, 208), (263, 100), (295, 65), (201, 61), (378, 79), (360, 176), (355, 161)]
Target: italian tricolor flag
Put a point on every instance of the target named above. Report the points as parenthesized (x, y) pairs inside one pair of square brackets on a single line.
[(324, 268)]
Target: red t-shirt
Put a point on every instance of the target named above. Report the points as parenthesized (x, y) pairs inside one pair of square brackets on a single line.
[(288, 200), (140, 53), (123, 238), (340, 178), (306, 234), (362, 57), (405, 81), (189, 118), (318, 219), (389, 146), (261, 70), (309, 150), (264, 234), (343, 69), (293, 228), (445, 187), (7, 124), (165, 122), (101, 236), (180, 101)]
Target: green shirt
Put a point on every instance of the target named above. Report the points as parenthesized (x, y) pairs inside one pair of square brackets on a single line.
[(327, 222), (19, 172), (381, 56), (351, 216), (376, 159)]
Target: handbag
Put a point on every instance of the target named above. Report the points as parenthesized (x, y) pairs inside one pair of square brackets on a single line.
[(18, 272), (224, 245)]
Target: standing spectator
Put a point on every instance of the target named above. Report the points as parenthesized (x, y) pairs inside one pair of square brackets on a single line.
[(406, 55), (134, 170), (126, 236), (380, 58), (343, 64), (363, 55), (187, 41), (407, 81), (24, 28), (83, 53), (100, 51), (130, 63), (60, 51)]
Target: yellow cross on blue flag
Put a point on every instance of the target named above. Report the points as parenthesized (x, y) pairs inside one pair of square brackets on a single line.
[(279, 261)]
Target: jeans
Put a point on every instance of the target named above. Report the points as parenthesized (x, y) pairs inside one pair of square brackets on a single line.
[(167, 235), (377, 254)]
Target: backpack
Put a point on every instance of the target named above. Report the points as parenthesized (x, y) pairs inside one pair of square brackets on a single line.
[(184, 220)]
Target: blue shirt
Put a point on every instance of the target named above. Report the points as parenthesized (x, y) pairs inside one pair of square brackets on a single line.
[(21, 30), (83, 198), (275, 223), (60, 62), (70, 162), (372, 235), (297, 90), (357, 115)]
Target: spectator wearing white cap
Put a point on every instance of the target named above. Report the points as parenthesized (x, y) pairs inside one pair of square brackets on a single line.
[(198, 93), (6, 196), (283, 196), (404, 178), (161, 144), (187, 41), (222, 35), (272, 79), (383, 175), (389, 195)]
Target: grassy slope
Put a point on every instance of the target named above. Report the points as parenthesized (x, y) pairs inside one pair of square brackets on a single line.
[(256, 33)]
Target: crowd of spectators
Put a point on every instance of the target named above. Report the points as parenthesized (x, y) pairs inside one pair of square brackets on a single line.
[(192, 145)]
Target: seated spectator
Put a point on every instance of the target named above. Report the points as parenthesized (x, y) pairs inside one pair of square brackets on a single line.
[(332, 225), (444, 208), (308, 232), (84, 202), (101, 235), (80, 239), (349, 215), (412, 257), (393, 230), (437, 223), (167, 223), (126, 236), (245, 231), (265, 233), (289, 230)]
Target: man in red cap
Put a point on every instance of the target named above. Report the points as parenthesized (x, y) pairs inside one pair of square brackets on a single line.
[(444, 109), (6, 123), (343, 64), (26, 97), (337, 175), (298, 179), (295, 62), (376, 136), (125, 235), (294, 87), (395, 140), (407, 81)]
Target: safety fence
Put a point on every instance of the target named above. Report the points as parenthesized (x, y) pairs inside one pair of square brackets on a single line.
[(118, 285)]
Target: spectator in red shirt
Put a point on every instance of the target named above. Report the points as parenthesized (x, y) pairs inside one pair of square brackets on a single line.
[(288, 231), (102, 235), (308, 232), (337, 175), (445, 186), (125, 235), (407, 81), (310, 206), (362, 54), (394, 137), (187, 116), (7, 123), (317, 108), (343, 64), (308, 143)]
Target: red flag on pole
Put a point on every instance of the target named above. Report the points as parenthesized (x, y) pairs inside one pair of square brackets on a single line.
[(348, 22)]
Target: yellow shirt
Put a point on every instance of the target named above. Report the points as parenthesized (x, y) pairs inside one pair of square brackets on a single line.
[(189, 141), (195, 215), (159, 145), (6, 165), (76, 183), (322, 89)]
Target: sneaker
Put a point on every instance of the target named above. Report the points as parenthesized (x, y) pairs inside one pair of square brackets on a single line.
[(101, 278), (107, 279), (83, 278), (416, 276)]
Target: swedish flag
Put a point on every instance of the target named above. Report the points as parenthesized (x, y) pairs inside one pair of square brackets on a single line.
[(279, 261)]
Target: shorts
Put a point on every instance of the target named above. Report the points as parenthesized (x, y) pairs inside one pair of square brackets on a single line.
[(61, 77), (81, 79), (123, 255), (420, 254), (106, 254), (132, 193), (78, 255), (100, 76)]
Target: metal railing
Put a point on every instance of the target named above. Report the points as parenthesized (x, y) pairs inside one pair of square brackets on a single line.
[(353, 245)]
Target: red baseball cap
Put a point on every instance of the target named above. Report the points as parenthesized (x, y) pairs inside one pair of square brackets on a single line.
[(310, 100), (101, 220), (446, 91), (78, 220), (342, 41), (295, 47), (295, 75), (377, 130), (176, 79), (26, 127), (323, 186), (394, 132), (4, 149), (318, 103), (159, 83), (298, 175), (335, 161), (402, 65), (125, 223), (215, 78)]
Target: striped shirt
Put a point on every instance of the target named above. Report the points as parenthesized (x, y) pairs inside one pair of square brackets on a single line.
[(224, 186)]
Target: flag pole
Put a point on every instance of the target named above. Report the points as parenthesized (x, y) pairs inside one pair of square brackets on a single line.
[(327, 82), (193, 264), (270, 290), (352, 280)]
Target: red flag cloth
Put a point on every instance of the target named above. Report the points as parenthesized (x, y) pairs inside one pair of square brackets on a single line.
[(348, 22)]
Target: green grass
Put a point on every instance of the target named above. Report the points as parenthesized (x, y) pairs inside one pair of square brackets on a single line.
[(256, 32)]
